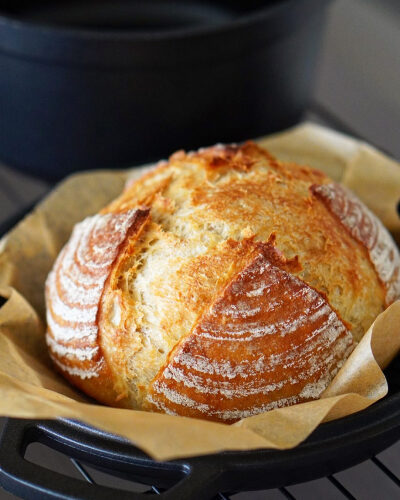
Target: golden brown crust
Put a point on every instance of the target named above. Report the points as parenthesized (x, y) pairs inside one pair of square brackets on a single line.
[(222, 224), (228, 157), (243, 357)]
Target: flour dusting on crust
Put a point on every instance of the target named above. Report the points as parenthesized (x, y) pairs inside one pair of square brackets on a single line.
[(365, 227), (74, 288), (292, 348)]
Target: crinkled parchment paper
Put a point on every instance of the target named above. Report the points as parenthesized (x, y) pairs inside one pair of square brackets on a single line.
[(30, 388)]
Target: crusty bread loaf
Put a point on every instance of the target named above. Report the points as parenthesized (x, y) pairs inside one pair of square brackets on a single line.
[(221, 284)]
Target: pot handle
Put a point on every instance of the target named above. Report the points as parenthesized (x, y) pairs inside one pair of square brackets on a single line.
[(29, 480)]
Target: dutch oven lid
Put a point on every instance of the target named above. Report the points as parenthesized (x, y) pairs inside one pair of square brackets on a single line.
[(195, 42)]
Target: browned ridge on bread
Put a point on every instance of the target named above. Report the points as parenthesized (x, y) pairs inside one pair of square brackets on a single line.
[(221, 284)]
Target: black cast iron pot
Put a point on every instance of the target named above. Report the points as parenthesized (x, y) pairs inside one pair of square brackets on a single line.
[(109, 83)]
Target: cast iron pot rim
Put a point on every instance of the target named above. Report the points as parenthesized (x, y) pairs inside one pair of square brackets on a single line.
[(258, 15)]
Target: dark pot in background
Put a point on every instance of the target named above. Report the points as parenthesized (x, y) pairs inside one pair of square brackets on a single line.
[(96, 84)]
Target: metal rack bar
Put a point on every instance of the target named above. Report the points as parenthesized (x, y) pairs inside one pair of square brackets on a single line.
[(341, 488), (156, 490), (83, 471), (286, 493), (386, 471)]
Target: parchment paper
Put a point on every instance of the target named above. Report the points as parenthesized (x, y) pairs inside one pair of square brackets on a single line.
[(29, 388)]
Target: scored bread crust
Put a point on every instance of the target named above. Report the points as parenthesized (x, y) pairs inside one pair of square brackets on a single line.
[(242, 358), (74, 289), (227, 283), (368, 230)]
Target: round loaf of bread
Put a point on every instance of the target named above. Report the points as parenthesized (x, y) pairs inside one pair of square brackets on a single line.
[(221, 284)]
